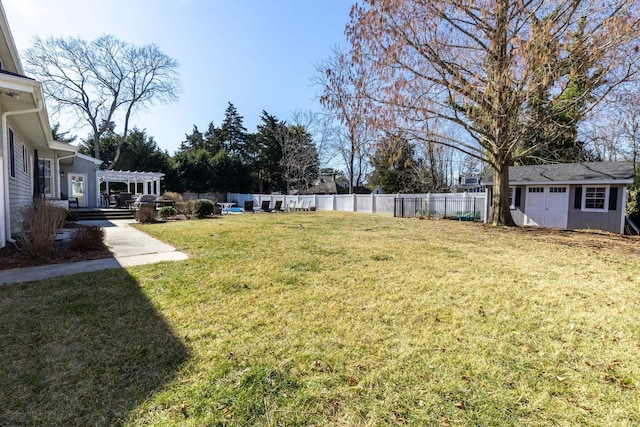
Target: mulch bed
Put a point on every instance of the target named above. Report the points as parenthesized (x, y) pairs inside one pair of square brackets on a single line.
[(12, 257)]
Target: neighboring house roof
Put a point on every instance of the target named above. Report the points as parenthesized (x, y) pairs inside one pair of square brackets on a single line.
[(569, 173), (325, 184)]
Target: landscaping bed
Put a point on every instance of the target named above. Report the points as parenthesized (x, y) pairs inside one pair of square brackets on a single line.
[(12, 257)]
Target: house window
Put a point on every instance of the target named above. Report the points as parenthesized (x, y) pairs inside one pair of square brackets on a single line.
[(25, 160), (12, 155), (595, 198), (44, 176)]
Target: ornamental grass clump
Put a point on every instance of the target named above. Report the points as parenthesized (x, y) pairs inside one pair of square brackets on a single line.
[(40, 224), (185, 208)]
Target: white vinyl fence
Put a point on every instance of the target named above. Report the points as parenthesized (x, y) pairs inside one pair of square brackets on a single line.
[(470, 206)]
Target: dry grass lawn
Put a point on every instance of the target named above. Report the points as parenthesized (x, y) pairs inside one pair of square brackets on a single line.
[(334, 319)]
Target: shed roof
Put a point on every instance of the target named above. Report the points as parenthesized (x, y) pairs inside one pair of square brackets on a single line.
[(570, 173)]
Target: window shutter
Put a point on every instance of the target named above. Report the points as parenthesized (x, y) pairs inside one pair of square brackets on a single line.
[(613, 198), (516, 202), (577, 202)]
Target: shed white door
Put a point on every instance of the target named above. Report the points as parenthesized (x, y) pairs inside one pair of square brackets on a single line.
[(547, 206)]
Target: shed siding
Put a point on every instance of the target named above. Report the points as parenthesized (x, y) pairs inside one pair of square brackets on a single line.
[(518, 212), (608, 221), (20, 189)]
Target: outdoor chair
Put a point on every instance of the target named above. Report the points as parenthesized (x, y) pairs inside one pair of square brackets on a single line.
[(248, 206), (123, 198), (264, 207), (292, 206), (143, 200), (277, 207), (298, 206), (306, 205)]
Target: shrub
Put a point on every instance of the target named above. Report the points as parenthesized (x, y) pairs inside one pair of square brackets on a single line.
[(146, 213), (202, 208), (72, 216), (87, 238), (40, 224), (167, 211)]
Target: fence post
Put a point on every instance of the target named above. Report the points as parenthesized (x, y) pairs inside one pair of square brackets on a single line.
[(373, 203), (355, 203)]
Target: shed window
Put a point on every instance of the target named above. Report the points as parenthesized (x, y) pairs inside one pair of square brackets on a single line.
[(512, 197), (535, 189), (557, 189), (595, 198)]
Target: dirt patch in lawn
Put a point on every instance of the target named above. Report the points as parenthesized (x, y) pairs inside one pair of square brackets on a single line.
[(596, 240), (11, 256)]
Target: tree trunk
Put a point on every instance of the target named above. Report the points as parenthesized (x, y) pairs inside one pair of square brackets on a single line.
[(96, 146), (500, 209)]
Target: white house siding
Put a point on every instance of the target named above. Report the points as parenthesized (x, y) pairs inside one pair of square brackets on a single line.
[(20, 187), (608, 221)]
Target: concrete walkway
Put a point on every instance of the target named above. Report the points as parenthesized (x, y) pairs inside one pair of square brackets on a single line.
[(130, 247)]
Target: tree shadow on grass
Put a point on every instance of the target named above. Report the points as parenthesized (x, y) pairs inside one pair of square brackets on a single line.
[(81, 350)]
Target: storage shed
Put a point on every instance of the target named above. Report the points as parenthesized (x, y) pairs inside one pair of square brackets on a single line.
[(569, 195)]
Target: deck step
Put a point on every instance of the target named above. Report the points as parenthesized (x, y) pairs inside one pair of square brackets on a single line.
[(103, 214)]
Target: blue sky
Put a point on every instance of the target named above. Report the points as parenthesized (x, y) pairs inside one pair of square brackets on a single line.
[(257, 54)]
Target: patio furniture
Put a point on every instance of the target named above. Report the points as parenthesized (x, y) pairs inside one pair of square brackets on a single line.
[(248, 206), (104, 200), (166, 202), (264, 207), (224, 207), (145, 199), (277, 207), (123, 198), (292, 206)]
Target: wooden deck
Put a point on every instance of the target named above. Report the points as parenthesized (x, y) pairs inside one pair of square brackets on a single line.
[(87, 214)]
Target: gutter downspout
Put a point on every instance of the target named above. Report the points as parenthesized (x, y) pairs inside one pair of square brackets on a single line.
[(5, 216)]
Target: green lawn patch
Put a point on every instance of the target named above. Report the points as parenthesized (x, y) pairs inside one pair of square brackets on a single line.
[(334, 319)]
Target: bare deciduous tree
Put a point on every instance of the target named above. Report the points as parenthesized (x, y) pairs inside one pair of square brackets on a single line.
[(340, 80), (487, 66), (102, 78)]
